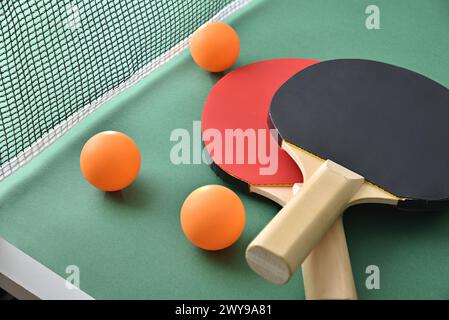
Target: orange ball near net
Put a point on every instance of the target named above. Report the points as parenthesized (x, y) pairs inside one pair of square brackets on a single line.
[(213, 217), (215, 46), (110, 161)]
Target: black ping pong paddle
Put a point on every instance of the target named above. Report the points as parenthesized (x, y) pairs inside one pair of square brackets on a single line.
[(362, 132)]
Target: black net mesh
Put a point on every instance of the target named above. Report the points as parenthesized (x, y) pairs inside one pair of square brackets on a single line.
[(58, 56)]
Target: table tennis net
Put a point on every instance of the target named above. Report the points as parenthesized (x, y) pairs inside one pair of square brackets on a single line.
[(61, 60)]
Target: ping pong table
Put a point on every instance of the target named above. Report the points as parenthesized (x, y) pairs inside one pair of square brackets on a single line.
[(129, 244)]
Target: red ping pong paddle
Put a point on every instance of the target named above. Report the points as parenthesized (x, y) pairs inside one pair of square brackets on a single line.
[(362, 132), (244, 153)]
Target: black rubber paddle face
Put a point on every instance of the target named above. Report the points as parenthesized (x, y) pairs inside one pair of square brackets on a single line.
[(386, 123)]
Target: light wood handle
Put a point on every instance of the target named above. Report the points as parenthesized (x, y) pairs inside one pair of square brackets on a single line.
[(327, 271), (285, 242)]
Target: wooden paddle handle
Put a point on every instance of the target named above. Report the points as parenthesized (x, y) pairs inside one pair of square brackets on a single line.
[(286, 241), (327, 271)]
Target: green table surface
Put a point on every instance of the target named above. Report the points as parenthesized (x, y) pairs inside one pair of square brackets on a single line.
[(130, 244)]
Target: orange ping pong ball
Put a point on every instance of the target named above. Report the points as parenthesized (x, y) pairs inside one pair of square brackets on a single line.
[(110, 161), (215, 46), (212, 217)]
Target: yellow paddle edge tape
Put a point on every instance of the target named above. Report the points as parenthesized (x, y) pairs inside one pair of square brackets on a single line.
[(321, 159)]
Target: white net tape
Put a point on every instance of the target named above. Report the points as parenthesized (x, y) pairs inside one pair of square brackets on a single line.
[(59, 130)]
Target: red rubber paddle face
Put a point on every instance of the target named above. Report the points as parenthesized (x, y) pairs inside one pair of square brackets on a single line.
[(236, 110)]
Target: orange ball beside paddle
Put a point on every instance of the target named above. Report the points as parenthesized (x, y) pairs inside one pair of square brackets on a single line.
[(215, 46), (212, 217)]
